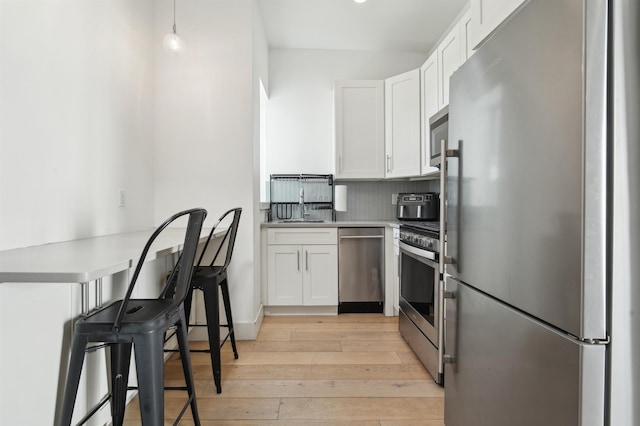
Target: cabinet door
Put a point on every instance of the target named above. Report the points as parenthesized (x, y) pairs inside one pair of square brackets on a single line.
[(284, 280), (464, 27), (402, 124), (359, 121), (487, 15), (449, 59), (320, 282), (430, 106)]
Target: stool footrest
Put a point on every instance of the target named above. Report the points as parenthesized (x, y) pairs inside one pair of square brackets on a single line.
[(180, 388), (95, 409), (203, 350), (184, 408)]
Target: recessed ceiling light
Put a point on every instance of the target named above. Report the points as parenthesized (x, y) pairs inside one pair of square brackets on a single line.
[(359, 1)]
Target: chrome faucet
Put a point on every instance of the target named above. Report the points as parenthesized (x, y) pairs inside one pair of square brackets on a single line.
[(301, 202)]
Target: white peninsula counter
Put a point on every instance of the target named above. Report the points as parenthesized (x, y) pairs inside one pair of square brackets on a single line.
[(43, 289)]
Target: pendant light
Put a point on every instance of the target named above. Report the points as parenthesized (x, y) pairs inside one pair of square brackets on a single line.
[(172, 41)]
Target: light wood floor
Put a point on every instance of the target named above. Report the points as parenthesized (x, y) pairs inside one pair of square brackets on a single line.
[(312, 371)]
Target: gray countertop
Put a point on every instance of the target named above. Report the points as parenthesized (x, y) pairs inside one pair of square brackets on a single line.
[(330, 224), (86, 259)]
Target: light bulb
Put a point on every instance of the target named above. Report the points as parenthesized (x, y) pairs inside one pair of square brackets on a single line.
[(173, 43)]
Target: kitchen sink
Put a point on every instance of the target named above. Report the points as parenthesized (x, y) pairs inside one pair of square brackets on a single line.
[(301, 221)]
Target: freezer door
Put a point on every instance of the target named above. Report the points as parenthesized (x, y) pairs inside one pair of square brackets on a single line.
[(526, 197), (509, 369)]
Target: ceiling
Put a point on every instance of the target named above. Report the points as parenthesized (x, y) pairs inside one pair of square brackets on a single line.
[(377, 25)]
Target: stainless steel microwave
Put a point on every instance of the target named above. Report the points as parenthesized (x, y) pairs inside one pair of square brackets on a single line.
[(438, 131)]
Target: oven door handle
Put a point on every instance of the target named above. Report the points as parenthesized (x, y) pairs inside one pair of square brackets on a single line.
[(425, 254)]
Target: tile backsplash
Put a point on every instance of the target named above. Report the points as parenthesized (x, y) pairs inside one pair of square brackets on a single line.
[(371, 200)]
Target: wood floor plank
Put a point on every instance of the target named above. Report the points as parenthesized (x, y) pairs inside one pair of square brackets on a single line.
[(325, 335), (279, 334), (288, 346), (338, 326), (345, 409), (311, 371), (374, 345), (342, 318), (305, 372), (306, 358), (287, 423), (218, 408), (324, 389), (408, 357)]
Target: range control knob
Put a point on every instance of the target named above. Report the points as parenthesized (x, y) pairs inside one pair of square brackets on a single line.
[(429, 244)]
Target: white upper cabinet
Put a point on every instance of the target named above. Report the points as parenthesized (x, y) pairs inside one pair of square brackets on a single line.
[(449, 59), (430, 105), (487, 15), (464, 26), (402, 124), (359, 127)]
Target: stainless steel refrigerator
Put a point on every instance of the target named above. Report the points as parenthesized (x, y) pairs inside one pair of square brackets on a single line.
[(540, 186)]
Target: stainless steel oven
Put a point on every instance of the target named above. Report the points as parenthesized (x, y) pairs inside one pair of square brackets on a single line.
[(421, 304)]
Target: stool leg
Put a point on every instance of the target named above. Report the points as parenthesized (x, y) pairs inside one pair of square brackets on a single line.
[(120, 362), (224, 286), (212, 309), (78, 347), (150, 368), (185, 357), (188, 300)]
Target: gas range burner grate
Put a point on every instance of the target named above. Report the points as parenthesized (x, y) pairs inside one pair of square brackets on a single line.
[(422, 226)]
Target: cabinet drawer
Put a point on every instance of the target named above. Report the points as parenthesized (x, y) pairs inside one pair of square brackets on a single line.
[(302, 236)]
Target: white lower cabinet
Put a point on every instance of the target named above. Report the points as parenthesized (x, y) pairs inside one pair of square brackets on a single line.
[(302, 274)]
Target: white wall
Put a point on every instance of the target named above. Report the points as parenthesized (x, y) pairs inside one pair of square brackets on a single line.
[(260, 50), (205, 145), (75, 119), (91, 104), (300, 114)]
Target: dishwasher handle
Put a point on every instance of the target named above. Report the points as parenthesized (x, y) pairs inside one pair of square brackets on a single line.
[(361, 237)]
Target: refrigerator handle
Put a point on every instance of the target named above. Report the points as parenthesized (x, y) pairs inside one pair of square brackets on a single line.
[(450, 322), (447, 154), (443, 205)]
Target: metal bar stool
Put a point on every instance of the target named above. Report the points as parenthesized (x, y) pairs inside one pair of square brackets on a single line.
[(207, 278), (141, 323)]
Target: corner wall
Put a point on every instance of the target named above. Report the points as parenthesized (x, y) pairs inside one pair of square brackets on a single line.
[(205, 124)]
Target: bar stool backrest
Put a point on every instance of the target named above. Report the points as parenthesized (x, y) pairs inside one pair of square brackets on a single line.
[(192, 237), (229, 236)]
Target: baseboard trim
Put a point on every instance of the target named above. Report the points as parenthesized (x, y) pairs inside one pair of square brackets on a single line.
[(300, 310), (243, 330)]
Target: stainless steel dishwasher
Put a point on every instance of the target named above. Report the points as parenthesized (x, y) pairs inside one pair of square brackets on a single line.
[(360, 270)]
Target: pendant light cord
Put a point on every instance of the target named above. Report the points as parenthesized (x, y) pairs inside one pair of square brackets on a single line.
[(174, 16)]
